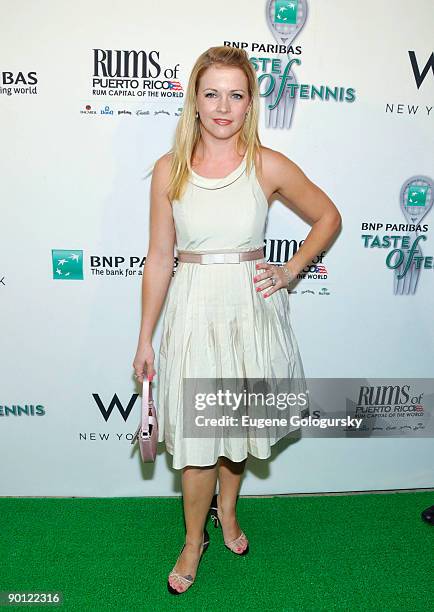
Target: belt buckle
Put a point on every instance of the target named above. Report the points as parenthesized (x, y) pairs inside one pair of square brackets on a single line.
[(209, 258), (232, 257)]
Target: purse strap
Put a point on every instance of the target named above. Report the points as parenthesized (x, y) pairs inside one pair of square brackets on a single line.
[(147, 402)]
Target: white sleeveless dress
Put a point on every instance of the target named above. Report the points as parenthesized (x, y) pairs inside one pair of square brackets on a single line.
[(215, 323)]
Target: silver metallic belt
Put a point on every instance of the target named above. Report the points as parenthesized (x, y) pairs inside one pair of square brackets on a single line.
[(220, 257)]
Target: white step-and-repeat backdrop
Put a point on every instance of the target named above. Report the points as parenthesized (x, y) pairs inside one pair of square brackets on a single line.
[(90, 95)]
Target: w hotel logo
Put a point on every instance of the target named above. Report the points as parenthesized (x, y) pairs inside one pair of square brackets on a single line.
[(418, 75)]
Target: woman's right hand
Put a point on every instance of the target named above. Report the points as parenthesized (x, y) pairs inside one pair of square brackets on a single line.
[(143, 363)]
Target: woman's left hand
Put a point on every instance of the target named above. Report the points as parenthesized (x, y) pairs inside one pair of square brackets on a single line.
[(269, 271)]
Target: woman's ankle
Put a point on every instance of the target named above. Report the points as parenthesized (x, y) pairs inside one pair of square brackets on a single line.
[(194, 542), (226, 509)]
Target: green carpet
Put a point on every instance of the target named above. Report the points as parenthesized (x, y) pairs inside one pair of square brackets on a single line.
[(355, 552)]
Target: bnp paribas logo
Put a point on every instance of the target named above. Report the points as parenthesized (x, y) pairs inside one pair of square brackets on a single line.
[(67, 264), (285, 11), (416, 196), (416, 200), (403, 241)]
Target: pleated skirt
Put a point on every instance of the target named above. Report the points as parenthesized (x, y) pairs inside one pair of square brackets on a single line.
[(217, 326)]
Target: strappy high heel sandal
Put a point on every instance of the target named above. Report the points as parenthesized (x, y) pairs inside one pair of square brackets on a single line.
[(238, 542), (187, 580)]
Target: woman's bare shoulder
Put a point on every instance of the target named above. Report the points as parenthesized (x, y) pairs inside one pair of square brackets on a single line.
[(267, 160), (275, 163), (161, 170), (161, 174), (270, 157), (164, 163), (271, 166)]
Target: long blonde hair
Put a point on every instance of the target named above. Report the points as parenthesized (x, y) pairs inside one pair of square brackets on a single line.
[(187, 133)]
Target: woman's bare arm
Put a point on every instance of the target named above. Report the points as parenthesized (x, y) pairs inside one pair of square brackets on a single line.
[(305, 197), (157, 272)]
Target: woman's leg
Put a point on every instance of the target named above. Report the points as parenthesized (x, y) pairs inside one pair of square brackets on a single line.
[(229, 475), (198, 486)]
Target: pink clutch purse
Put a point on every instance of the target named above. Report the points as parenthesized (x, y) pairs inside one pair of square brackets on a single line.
[(147, 431)]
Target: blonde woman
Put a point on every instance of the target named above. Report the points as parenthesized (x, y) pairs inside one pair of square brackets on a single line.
[(227, 309)]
